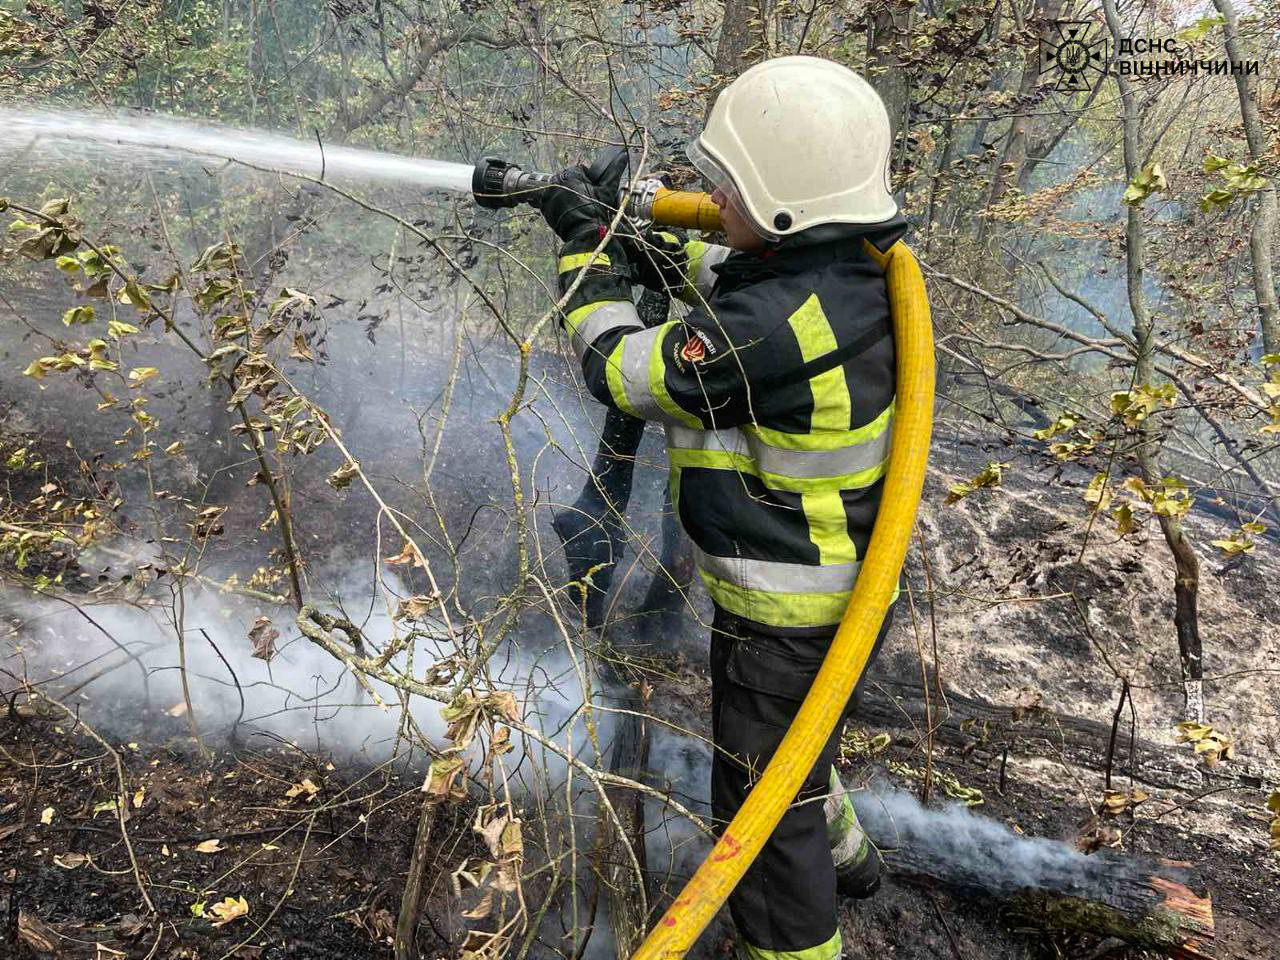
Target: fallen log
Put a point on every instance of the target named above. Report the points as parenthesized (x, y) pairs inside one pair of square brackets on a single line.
[(1150, 903)]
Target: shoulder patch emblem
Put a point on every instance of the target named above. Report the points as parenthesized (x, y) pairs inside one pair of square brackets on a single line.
[(693, 351)]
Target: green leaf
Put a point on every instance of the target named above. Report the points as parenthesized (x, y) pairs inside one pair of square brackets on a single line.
[(1200, 29), (214, 292), (78, 315), (142, 374), (1064, 423), (67, 264), (118, 328), (1149, 180), (219, 256), (990, 476), (1124, 519), (134, 294), (1214, 163)]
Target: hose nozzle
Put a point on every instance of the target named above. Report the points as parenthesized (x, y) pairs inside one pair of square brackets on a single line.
[(497, 184)]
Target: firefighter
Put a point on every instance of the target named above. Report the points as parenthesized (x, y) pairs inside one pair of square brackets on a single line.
[(777, 395)]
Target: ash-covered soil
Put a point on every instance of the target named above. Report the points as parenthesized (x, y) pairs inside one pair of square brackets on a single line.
[(1037, 619), (322, 870)]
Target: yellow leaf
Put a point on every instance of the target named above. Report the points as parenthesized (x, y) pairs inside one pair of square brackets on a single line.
[(46, 816), (229, 909), (209, 846), (142, 374)]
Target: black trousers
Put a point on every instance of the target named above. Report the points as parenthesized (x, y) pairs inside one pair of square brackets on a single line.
[(786, 902)]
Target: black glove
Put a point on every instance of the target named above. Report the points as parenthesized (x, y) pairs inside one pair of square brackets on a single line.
[(580, 200), (657, 259)]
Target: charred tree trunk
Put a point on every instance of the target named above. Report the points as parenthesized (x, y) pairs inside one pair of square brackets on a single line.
[(627, 890), (1150, 903), (593, 536)]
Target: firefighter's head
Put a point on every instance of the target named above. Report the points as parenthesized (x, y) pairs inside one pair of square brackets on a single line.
[(793, 143)]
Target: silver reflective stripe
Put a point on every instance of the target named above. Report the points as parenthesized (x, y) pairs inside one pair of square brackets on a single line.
[(619, 314), (799, 464), (773, 576), (704, 279), (851, 848), (720, 440), (633, 370), (807, 464)]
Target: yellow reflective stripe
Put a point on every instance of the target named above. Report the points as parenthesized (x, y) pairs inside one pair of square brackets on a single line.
[(830, 950), (573, 261), (828, 527), (826, 440), (723, 460), (658, 383), (831, 403), (777, 609), (613, 378), (694, 250)]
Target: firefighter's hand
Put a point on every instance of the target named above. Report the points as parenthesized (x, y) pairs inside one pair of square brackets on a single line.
[(581, 200), (658, 259)]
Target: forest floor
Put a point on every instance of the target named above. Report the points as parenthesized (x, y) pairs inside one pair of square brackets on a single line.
[(317, 844)]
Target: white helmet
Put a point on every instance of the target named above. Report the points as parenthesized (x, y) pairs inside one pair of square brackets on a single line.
[(799, 141)]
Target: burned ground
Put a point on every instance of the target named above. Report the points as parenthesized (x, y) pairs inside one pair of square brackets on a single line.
[(1031, 676)]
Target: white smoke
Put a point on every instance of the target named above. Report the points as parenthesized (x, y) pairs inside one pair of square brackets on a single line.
[(119, 666), (966, 848)]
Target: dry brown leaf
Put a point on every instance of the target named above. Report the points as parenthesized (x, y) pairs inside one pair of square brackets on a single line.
[(36, 934), (306, 786), (481, 909), (209, 846), (69, 861), (442, 779), (263, 636)]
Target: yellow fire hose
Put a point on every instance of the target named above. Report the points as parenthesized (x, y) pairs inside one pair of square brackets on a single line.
[(743, 838), (681, 208)]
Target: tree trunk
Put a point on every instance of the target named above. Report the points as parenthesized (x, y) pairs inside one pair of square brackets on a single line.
[(744, 40), (1262, 239), (1186, 565), (1014, 158), (888, 43)]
